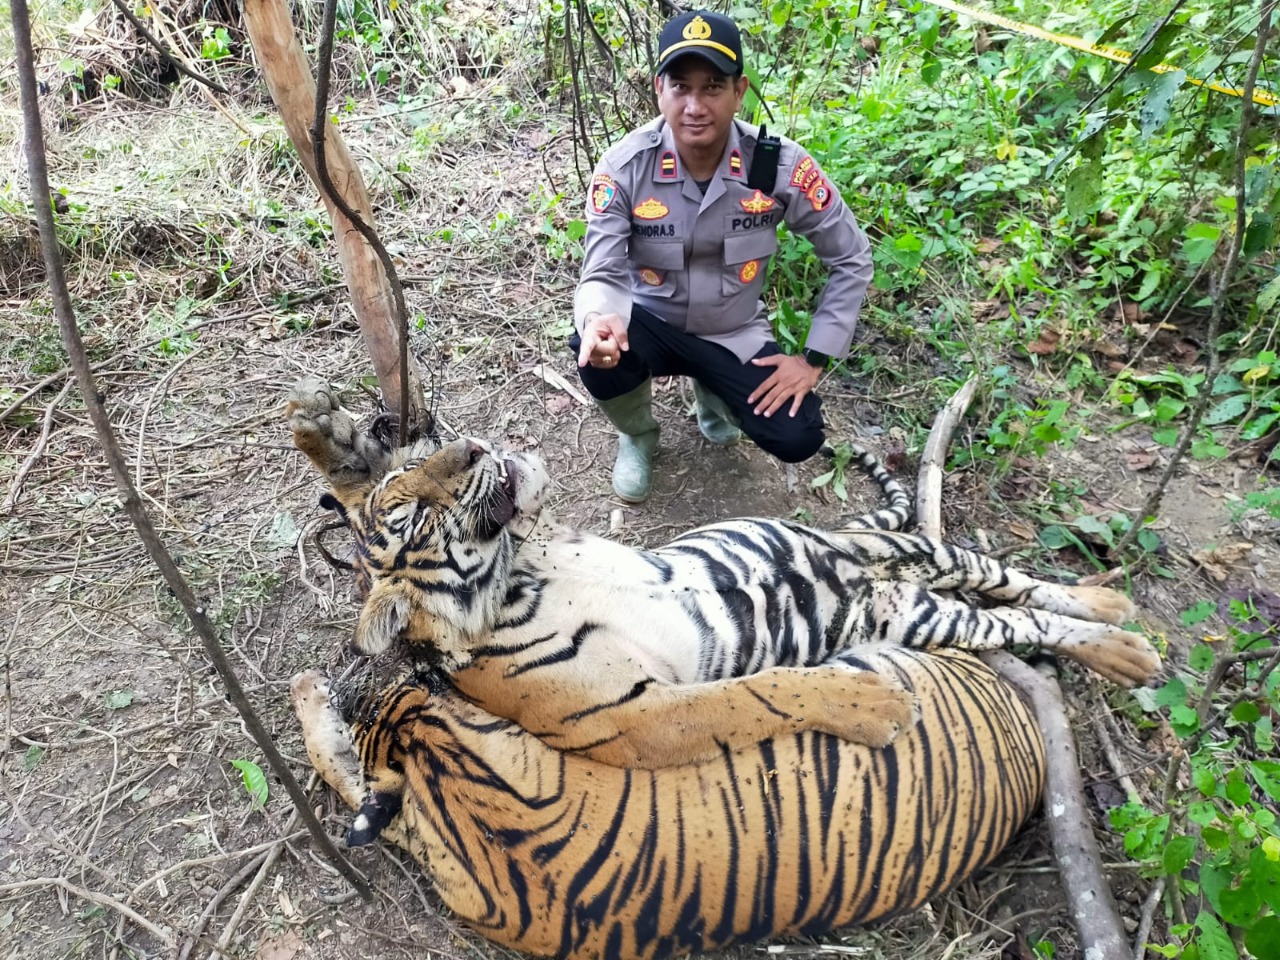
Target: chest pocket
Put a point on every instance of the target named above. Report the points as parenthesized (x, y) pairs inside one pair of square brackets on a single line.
[(654, 265), (746, 257)]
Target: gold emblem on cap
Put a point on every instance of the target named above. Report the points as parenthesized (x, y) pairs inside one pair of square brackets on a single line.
[(697, 29)]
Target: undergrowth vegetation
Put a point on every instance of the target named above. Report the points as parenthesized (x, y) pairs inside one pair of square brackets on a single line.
[(1040, 216)]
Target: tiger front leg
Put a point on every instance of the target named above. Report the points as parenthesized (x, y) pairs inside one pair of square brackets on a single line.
[(674, 724), (908, 615), (333, 754), (331, 438)]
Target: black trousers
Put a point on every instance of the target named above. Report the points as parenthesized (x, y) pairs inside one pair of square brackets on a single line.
[(658, 349)]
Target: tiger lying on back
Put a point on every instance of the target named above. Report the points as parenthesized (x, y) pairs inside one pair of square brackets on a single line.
[(724, 637), (558, 855)]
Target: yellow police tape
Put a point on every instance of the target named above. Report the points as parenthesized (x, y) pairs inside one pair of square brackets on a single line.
[(1111, 53)]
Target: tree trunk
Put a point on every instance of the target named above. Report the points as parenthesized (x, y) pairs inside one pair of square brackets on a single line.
[(293, 89)]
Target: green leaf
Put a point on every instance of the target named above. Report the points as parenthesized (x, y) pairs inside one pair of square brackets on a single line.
[(1202, 240), (1213, 941), (927, 26), (1246, 711), (1257, 236), (1267, 775), (1201, 812), (1204, 780), (1215, 838), (1158, 47), (930, 70), (822, 480), (1154, 112), (255, 781), (1184, 720), (1200, 657), (1239, 905), (119, 699), (1263, 938), (1226, 411), (1236, 789), (1084, 189), (1173, 693), (1178, 853), (284, 531), (31, 759), (1054, 538), (1198, 613), (1269, 293), (1165, 436), (1113, 30)]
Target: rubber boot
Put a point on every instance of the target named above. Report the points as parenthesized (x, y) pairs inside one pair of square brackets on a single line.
[(715, 421), (632, 414)]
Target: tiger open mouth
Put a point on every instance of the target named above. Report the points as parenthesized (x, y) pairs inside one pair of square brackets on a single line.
[(500, 505)]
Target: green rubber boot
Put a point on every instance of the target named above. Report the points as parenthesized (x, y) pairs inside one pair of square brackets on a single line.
[(632, 414), (715, 421)]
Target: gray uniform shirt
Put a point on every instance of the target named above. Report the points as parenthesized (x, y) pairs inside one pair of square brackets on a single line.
[(699, 262)]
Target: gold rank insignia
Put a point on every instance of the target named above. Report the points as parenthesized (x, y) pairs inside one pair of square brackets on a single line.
[(735, 163), (668, 166), (757, 203), (749, 271), (652, 209), (697, 29)]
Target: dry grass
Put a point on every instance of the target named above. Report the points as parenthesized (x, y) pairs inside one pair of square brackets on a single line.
[(205, 284)]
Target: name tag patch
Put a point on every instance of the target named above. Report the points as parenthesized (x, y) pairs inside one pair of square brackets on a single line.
[(651, 209), (654, 231)]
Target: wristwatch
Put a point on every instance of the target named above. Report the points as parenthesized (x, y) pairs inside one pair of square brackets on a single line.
[(816, 359)]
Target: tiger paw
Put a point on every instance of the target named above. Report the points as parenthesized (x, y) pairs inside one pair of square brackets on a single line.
[(1105, 605), (1120, 656), (329, 435), (864, 707)]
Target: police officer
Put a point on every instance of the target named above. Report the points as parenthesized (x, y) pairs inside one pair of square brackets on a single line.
[(682, 218)]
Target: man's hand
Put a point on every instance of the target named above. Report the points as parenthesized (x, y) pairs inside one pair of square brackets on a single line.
[(792, 379), (604, 337)]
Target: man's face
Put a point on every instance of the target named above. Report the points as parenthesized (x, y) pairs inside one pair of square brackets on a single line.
[(698, 102)]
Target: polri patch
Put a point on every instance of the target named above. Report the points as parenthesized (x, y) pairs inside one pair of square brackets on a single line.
[(757, 203), (651, 209), (749, 271), (668, 166), (805, 174), (603, 190), (820, 195), (652, 277), (735, 163)]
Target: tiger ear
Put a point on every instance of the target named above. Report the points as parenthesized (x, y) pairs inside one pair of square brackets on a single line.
[(382, 619)]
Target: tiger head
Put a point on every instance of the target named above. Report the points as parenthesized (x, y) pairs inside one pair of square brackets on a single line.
[(435, 542)]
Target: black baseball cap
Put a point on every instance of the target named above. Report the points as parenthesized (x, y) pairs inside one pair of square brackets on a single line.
[(703, 33)]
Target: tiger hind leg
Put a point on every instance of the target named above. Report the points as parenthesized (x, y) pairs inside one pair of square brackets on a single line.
[(937, 565), (913, 617)]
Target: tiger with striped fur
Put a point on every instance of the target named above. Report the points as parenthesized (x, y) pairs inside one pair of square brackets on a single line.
[(556, 854), (731, 634)]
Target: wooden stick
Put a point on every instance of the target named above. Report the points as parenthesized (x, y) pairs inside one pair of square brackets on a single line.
[(288, 76), (929, 482), (41, 203), (1093, 908)]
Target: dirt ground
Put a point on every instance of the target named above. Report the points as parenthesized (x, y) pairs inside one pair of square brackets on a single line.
[(122, 821)]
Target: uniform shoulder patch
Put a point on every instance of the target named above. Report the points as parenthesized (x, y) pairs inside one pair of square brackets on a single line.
[(820, 194), (668, 165), (805, 173), (651, 209), (603, 191)]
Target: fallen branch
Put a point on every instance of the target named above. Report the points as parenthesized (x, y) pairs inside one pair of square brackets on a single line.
[(163, 934), (15, 488), (41, 203), (929, 483), (1093, 908)]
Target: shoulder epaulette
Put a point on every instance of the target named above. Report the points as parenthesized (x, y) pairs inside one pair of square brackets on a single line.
[(633, 144)]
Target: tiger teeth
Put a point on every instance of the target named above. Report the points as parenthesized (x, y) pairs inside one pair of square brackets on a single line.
[(502, 470)]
